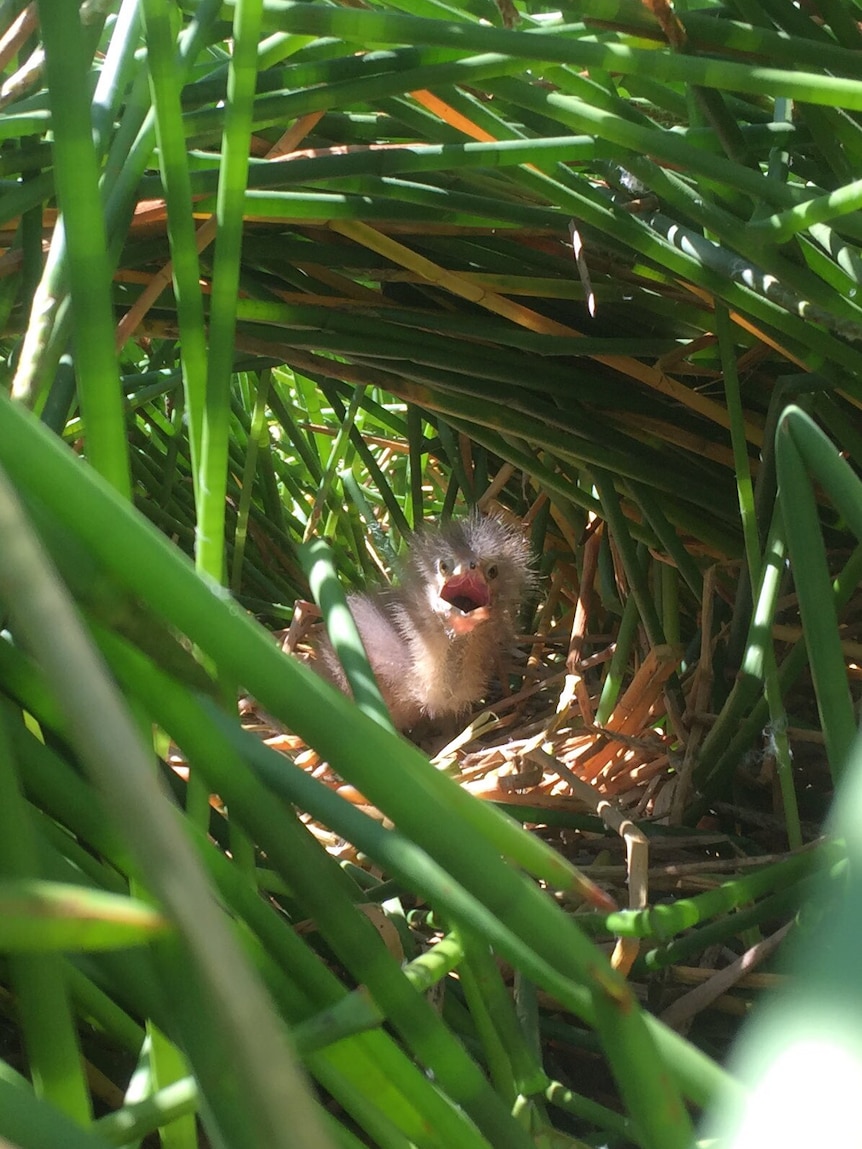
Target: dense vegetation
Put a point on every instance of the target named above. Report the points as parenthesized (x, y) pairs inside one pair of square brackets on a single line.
[(278, 272)]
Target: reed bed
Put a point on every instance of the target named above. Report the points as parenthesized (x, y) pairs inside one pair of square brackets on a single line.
[(277, 272)]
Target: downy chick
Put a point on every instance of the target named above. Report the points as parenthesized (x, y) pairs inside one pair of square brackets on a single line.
[(435, 641)]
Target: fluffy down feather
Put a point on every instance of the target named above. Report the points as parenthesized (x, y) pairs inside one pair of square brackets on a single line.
[(436, 640)]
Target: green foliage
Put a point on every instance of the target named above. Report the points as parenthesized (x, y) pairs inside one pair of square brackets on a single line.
[(352, 267)]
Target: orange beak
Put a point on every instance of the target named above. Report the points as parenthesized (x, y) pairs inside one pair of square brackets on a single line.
[(470, 598)]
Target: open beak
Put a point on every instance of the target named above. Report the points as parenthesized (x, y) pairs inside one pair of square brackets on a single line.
[(470, 599)]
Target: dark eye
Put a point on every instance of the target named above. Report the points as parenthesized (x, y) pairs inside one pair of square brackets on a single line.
[(443, 567), (492, 571), (473, 564)]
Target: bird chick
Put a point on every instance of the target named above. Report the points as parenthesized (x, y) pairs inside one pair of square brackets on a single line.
[(435, 641)]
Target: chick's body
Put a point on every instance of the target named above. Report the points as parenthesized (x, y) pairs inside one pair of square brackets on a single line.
[(435, 641)]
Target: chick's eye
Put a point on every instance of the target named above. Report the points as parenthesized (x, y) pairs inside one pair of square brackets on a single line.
[(443, 567), (492, 571), (473, 564)]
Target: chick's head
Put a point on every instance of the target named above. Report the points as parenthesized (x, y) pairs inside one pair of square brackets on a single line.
[(471, 572)]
